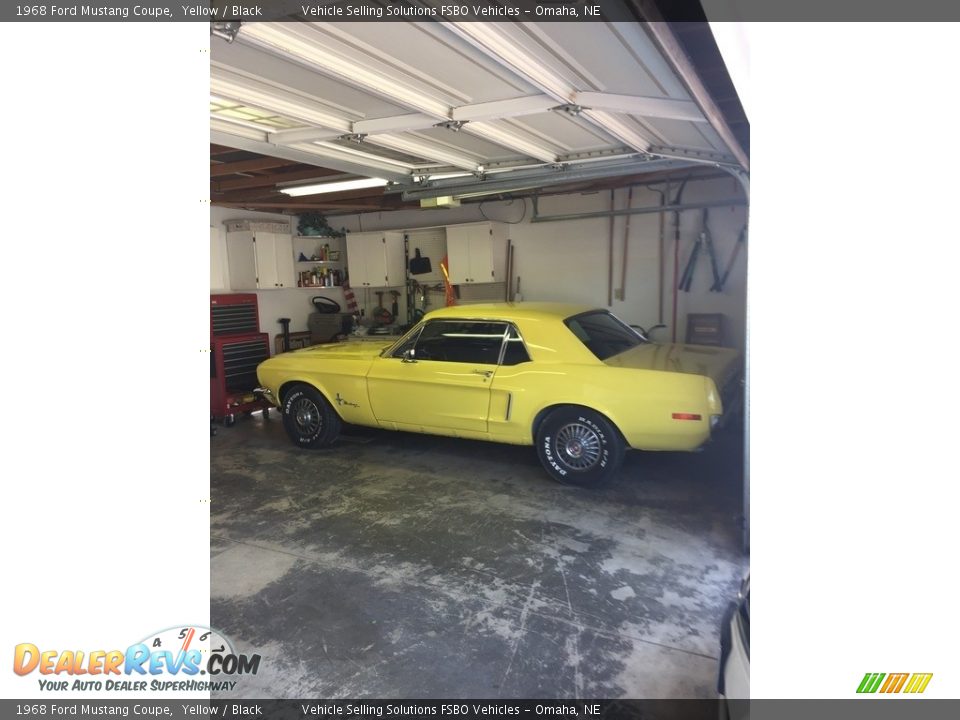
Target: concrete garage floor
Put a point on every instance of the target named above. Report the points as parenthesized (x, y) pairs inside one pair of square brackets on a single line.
[(406, 566)]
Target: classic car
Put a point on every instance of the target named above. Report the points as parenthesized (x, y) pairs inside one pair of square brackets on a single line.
[(576, 382)]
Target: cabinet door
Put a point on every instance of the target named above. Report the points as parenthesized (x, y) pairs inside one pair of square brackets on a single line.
[(458, 255), (360, 248), (286, 273), (274, 253), (265, 245), (394, 260), (218, 260), (481, 255), (241, 260)]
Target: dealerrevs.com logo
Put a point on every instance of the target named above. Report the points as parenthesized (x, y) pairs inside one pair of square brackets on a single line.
[(910, 683), (181, 659)]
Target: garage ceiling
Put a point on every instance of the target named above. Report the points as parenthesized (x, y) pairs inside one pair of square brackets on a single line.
[(452, 109)]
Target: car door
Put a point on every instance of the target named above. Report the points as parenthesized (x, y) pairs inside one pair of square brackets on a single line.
[(440, 377)]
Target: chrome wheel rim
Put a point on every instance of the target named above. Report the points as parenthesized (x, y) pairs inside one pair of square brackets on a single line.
[(306, 416), (578, 446)]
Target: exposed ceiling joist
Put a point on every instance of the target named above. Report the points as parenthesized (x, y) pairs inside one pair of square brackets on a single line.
[(241, 183), (246, 166), (315, 155)]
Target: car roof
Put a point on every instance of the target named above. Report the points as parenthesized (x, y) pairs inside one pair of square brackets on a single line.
[(512, 311)]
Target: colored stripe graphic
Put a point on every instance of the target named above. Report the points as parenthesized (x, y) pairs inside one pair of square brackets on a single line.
[(894, 682), (918, 682), (870, 682)]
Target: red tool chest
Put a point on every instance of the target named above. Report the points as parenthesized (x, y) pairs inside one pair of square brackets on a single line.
[(237, 347)]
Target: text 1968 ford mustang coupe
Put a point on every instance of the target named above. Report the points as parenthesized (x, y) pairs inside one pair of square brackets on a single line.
[(575, 382)]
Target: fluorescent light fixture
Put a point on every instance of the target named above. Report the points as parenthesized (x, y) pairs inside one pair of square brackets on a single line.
[(447, 176), (358, 184)]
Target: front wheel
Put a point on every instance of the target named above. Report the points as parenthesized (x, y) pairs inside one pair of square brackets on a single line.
[(308, 418), (579, 447)]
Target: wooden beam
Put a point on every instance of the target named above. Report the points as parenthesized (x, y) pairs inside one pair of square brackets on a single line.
[(245, 166), (221, 149), (308, 173)]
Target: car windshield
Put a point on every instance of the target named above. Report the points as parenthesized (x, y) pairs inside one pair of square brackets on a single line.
[(603, 334)]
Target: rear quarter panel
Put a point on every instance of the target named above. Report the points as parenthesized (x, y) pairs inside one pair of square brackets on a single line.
[(639, 402), (563, 371)]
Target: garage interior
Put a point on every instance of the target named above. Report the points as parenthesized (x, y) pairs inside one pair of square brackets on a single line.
[(612, 156)]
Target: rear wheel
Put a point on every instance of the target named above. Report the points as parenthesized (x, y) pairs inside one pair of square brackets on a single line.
[(308, 418), (579, 447)]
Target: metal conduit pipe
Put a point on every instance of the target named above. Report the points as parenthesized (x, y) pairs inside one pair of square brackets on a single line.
[(626, 244), (678, 205), (660, 243), (609, 253), (732, 202)]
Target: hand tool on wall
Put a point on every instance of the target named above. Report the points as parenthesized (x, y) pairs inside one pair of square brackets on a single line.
[(687, 276), (711, 251), (419, 265), (395, 308), (718, 285)]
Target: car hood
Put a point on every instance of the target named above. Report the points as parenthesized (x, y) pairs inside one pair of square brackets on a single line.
[(349, 350), (714, 362)]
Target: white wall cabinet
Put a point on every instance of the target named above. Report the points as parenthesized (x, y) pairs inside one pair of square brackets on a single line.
[(376, 259), (260, 255), (477, 253), (218, 260)]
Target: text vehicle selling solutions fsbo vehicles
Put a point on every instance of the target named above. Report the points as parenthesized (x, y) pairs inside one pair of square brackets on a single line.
[(577, 383)]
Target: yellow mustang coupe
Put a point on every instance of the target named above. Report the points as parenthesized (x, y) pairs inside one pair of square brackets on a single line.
[(576, 382)]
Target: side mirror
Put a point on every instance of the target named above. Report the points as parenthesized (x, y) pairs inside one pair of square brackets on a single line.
[(409, 355)]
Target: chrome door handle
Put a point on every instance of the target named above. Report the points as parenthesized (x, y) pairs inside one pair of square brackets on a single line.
[(485, 373)]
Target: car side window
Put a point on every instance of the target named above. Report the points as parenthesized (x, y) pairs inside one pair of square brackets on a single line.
[(515, 352), (463, 341), (408, 343)]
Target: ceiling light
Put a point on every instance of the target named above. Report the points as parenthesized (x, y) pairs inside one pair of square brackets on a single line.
[(358, 184), (448, 176)]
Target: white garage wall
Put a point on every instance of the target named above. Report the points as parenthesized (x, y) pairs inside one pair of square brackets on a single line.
[(293, 303), (568, 260)]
